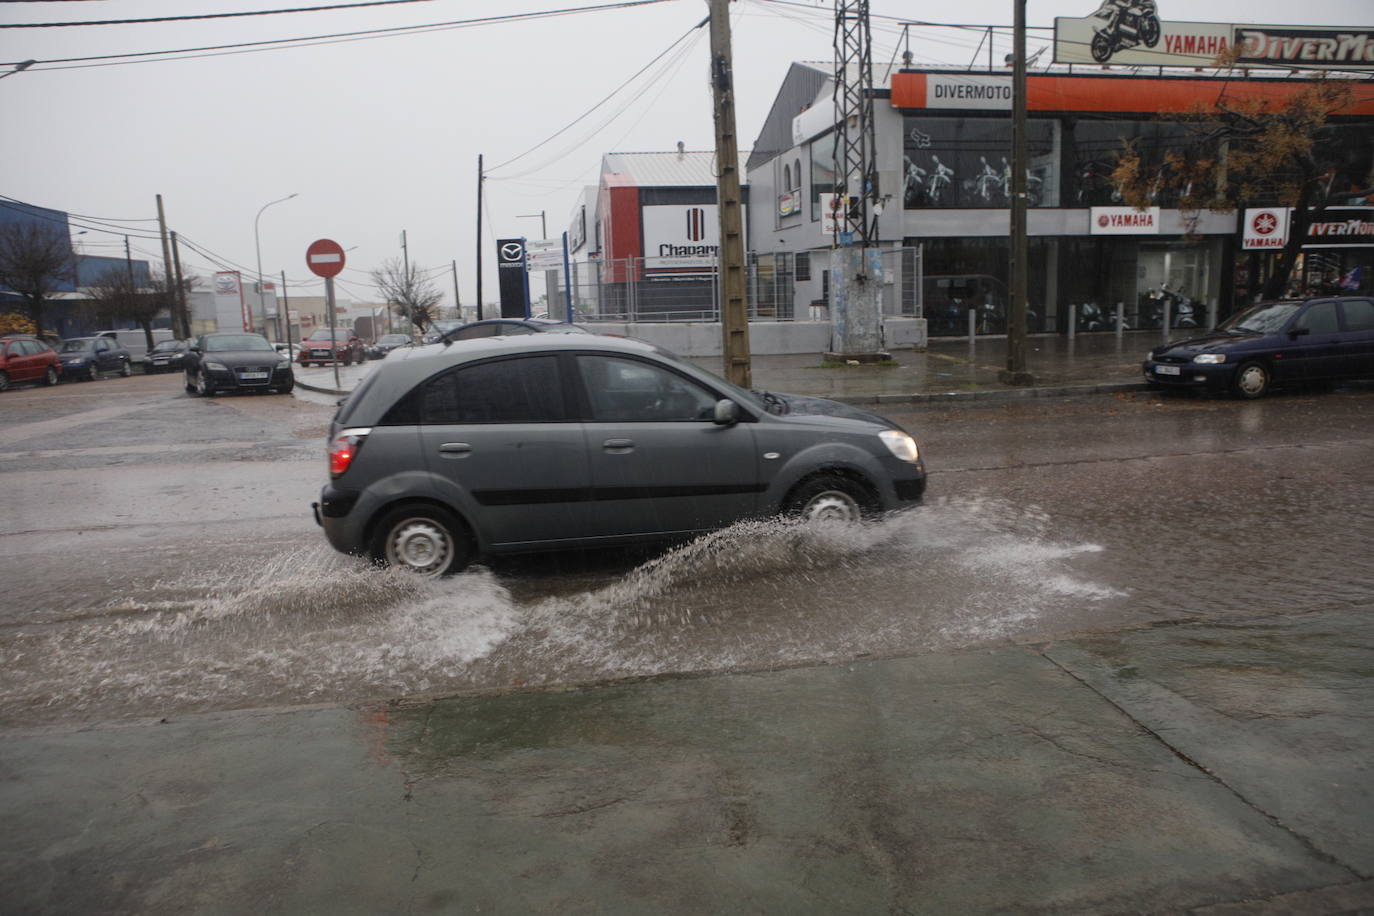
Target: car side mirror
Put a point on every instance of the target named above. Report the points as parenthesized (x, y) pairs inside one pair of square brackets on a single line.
[(726, 413)]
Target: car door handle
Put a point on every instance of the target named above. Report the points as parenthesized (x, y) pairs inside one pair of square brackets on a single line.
[(618, 446), (455, 449)]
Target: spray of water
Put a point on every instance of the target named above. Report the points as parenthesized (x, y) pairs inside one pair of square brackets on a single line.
[(311, 626)]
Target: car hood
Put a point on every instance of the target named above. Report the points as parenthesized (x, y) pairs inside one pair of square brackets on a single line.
[(805, 405), (233, 358), (1218, 342)]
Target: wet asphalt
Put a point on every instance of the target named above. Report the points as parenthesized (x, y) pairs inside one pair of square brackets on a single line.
[(1187, 766)]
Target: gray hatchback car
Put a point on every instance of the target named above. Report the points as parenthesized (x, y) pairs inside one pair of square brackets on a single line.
[(448, 453)]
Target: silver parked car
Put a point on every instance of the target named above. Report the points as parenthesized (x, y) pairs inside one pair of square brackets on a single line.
[(449, 452)]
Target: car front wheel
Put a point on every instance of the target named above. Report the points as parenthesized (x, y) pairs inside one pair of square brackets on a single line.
[(423, 539), (92, 373), (1251, 380), (829, 497), (127, 369), (203, 386), (4, 381), (50, 377)]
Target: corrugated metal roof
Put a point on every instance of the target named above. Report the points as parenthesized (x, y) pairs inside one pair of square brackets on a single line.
[(688, 169)]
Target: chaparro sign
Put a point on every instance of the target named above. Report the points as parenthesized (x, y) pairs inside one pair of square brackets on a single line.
[(1099, 40)]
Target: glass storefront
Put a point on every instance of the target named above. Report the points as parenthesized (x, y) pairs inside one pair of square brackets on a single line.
[(1090, 274), (965, 163)]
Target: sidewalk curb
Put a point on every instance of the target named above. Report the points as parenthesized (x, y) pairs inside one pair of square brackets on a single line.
[(330, 391), (993, 397)]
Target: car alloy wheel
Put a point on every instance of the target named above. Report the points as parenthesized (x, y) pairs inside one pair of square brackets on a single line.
[(1251, 380), (829, 497), (4, 381), (50, 377), (127, 369), (203, 386), (423, 539), (92, 373)]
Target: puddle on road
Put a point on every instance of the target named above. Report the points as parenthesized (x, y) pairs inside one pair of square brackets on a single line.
[(312, 626)]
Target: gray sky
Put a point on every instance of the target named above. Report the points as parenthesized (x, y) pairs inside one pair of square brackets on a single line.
[(382, 135)]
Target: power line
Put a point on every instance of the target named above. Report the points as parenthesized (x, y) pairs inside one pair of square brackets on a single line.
[(235, 15), (277, 44)]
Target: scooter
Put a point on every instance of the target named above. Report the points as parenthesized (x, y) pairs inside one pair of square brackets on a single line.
[(1182, 310), (1128, 23)]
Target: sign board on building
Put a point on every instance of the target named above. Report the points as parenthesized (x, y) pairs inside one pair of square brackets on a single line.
[(1265, 228), (682, 235), (514, 282), (1096, 40), (231, 306), (789, 203), (1123, 221), (830, 211), (546, 254)]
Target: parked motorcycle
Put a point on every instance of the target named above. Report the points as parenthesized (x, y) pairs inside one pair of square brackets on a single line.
[(1127, 24), (1183, 311), (1092, 317)]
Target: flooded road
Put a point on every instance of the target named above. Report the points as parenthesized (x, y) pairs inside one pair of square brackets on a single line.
[(161, 559)]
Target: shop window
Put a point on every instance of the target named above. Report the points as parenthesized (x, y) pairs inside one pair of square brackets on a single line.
[(966, 163), (822, 172), (796, 176)]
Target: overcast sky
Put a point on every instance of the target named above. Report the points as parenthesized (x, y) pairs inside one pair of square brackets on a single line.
[(381, 135)]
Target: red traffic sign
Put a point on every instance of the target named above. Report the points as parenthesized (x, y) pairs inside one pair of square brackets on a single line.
[(325, 258)]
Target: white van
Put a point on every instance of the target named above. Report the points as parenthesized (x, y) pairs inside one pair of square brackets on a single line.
[(135, 341)]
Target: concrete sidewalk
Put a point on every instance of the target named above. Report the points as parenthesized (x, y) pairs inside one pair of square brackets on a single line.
[(947, 370), (1220, 769)]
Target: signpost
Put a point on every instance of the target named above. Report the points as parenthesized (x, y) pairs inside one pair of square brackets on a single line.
[(325, 258)]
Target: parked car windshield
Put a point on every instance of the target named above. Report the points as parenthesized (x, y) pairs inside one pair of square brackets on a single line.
[(169, 346), (1265, 318), (325, 334), (393, 339), (236, 342), (78, 345)]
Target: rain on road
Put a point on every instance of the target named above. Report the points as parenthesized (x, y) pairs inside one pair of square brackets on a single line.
[(160, 558)]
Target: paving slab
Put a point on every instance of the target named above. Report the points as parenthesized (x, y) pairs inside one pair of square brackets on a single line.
[(1017, 779)]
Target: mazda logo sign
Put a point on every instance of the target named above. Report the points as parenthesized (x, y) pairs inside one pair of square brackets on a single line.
[(511, 251)]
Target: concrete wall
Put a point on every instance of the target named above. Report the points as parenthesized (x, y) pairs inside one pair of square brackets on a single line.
[(766, 338)]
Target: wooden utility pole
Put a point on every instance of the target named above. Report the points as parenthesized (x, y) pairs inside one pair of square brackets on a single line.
[(734, 304), (479, 237), (184, 313), (1015, 373), (175, 299)]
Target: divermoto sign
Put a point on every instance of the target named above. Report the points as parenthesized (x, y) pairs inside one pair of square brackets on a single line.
[(325, 258)]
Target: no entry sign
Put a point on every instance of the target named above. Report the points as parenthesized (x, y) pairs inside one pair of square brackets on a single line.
[(325, 258)]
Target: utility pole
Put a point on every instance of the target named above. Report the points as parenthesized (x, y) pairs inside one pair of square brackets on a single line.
[(286, 314), (734, 305), (173, 298), (457, 301), (184, 328), (479, 237), (1015, 373), (857, 261)]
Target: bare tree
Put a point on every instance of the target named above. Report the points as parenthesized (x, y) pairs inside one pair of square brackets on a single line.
[(1255, 151), (409, 292), (36, 260)]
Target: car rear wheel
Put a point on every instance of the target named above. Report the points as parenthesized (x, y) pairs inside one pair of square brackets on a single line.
[(50, 377), (4, 381), (1252, 380), (423, 539), (829, 497)]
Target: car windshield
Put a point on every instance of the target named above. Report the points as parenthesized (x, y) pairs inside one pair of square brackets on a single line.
[(78, 345), (236, 342), (167, 346), (325, 334), (755, 398), (1265, 318)]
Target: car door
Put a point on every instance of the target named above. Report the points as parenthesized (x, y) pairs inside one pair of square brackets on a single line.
[(24, 362), (502, 432), (659, 464), (1357, 340), (1312, 352)]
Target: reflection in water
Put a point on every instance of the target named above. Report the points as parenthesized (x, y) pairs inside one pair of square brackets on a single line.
[(316, 627)]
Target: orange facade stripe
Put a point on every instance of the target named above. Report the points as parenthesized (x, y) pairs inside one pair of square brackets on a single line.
[(1143, 95)]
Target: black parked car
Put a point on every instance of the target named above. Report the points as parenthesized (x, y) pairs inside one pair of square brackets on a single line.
[(167, 356), (236, 361), (386, 343), (85, 358), (1324, 339)]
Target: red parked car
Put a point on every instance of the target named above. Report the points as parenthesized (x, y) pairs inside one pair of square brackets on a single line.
[(24, 358), (347, 348)]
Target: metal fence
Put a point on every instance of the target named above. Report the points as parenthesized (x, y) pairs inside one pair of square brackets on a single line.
[(782, 286)]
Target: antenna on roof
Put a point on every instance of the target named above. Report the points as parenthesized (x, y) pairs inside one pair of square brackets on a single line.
[(681, 149)]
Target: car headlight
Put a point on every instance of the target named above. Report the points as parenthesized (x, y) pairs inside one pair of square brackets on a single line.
[(1210, 358), (283, 361), (216, 367), (900, 444)]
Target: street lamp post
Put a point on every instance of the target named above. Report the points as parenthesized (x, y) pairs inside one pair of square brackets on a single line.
[(543, 226), (257, 244)]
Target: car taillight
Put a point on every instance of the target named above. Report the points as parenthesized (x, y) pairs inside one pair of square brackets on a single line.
[(344, 449)]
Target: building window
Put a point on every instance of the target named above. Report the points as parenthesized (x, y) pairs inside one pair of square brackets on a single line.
[(822, 172), (803, 266), (965, 163)]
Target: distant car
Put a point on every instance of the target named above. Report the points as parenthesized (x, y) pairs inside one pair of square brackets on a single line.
[(323, 347), (24, 358), (1271, 344), (446, 453), (236, 361), (86, 358), (167, 356), (386, 343), (510, 327)]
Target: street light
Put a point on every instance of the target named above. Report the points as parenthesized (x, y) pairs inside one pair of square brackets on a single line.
[(257, 244), (543, 227)]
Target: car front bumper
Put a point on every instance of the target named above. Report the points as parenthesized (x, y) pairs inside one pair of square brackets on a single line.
[(1188, 375), (250, 378)]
